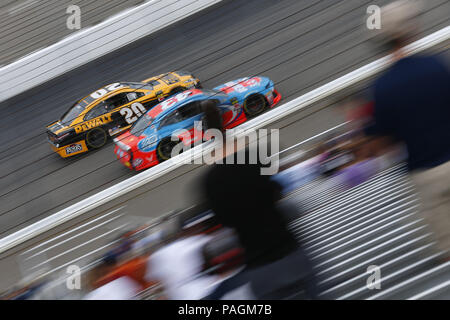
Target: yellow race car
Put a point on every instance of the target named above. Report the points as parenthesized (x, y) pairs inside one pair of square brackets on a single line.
[(111, 110)]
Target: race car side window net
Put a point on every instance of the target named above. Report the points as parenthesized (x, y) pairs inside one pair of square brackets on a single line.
[(98, 110), (190, 110), (172, 118), (140, 125)]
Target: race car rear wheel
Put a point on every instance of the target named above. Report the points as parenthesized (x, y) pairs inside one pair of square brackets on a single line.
[(254, 105), (164, 149), (96, 138)]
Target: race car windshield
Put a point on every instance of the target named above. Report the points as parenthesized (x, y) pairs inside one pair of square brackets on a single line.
[(139, 85), (72, 113), (139, 126)]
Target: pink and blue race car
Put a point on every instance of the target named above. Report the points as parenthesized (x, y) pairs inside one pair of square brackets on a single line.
[(149, 141)]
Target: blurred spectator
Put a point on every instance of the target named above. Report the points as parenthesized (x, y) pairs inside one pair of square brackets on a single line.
[(358, 111), (134, 268), (246, 201), (178, 264), (412, 105), (223, 253), (293, 177), (56, 289), (126, 262), (28, 287), (122, 287)]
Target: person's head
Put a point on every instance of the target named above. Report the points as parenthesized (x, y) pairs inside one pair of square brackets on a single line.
[(399, 23), (212, 118), (213, 127)]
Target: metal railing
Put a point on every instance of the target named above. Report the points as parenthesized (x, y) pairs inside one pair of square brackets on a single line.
[(373, 224)]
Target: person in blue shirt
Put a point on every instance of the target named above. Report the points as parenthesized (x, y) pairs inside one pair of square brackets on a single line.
[(412, 106)]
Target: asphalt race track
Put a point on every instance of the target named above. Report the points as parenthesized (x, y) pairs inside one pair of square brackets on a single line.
[(28, 26), (299, 44)]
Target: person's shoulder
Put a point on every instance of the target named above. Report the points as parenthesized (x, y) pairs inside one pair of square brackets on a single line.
[(386, 78), (404, 68), (430, 58), (428, 63)]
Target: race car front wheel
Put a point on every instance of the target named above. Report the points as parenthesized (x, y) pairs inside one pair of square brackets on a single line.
[(96, 138), (164, 149), (254, 105)]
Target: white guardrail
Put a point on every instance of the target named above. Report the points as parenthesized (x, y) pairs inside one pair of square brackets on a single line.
[(94, 42), (268, 117)]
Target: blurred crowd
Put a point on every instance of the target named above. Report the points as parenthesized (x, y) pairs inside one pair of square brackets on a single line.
[(242, 248), (222, 249)]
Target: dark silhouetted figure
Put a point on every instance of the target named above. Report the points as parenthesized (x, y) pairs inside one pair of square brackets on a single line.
[(412, 105), (246, 201)]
